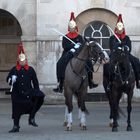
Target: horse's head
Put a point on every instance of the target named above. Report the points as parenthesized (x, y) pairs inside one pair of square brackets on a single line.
[(120, 53), (96, 52)]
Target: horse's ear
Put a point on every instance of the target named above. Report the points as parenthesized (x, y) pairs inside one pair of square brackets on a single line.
[(92, 43), (86, 38)]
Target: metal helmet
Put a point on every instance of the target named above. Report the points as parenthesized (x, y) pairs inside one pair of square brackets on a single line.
[(119, 24), (21, 54), (72, 23), (119, 29)]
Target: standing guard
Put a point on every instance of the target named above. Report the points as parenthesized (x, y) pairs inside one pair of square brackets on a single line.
[(25, 93)]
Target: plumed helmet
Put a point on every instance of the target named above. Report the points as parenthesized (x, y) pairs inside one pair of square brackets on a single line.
[(119, 24), (21, 53), (119, 29), (72, 23)]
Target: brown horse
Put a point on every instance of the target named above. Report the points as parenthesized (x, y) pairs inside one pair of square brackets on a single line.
[(123, 81), (76, 81)]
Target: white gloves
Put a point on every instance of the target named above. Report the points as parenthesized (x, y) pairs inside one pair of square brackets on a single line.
[(127, 48), (9, 80), (72, 50), (12, 80), (14, 77), (77, 45)]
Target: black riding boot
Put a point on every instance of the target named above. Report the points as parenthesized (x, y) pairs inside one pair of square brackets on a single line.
[(16, 126), (37, 102), (136, 67), (137, 79), (90, 82), (138, 83), (32, 122), (59, 87), (14, 129)]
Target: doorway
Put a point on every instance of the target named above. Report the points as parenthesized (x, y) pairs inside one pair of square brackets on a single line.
[(10, 36)]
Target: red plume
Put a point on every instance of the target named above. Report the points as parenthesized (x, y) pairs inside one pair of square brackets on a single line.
[(72, 17), (20, 48), (120, 18)]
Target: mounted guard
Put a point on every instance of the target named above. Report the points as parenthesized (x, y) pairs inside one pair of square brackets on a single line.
[(71, 42), (121, 40)]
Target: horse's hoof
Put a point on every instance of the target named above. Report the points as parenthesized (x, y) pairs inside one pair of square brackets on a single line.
[(69, 128), (83, 127), (110, 124), (114, 129), (65, 123), (129, 128)]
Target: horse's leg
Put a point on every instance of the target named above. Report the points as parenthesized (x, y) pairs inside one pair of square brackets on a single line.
[(83, 110), (79, 106), (68, 102), (108, 93), (66, 117), (129, 109), (69, 125), (111, 110), (111, 116), (115, 111), (79, 113)]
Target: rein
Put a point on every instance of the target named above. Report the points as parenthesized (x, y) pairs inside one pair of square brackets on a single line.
[(83, 77), (117, 67), (80, 58), (120, 75)]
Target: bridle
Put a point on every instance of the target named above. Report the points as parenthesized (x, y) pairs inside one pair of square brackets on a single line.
[(95, 59), (117, 70)]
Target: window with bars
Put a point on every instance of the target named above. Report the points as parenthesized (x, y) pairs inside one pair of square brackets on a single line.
[(99, 31)]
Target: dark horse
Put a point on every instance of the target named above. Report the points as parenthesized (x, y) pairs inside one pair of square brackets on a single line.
[(123, 82), (76, 81)]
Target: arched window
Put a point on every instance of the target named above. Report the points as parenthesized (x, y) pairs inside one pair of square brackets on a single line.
[(9, 26), (99, 31)]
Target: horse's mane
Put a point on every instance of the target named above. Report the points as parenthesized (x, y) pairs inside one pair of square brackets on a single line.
[(85, 39)]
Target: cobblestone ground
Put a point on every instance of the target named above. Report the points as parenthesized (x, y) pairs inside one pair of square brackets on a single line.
[(50, 120)]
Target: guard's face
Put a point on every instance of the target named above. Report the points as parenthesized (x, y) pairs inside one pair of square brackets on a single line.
[(22, 63), (120, 27), (72, 30)]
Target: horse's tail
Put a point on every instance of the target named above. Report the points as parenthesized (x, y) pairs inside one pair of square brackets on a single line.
[(76, 96)]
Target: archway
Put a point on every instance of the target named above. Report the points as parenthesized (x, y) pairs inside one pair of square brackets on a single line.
[(10, 36)]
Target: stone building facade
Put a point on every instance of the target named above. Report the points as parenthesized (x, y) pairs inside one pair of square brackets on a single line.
[(33, 21)]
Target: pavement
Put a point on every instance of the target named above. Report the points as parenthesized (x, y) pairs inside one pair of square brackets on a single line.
[(50, 120)]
